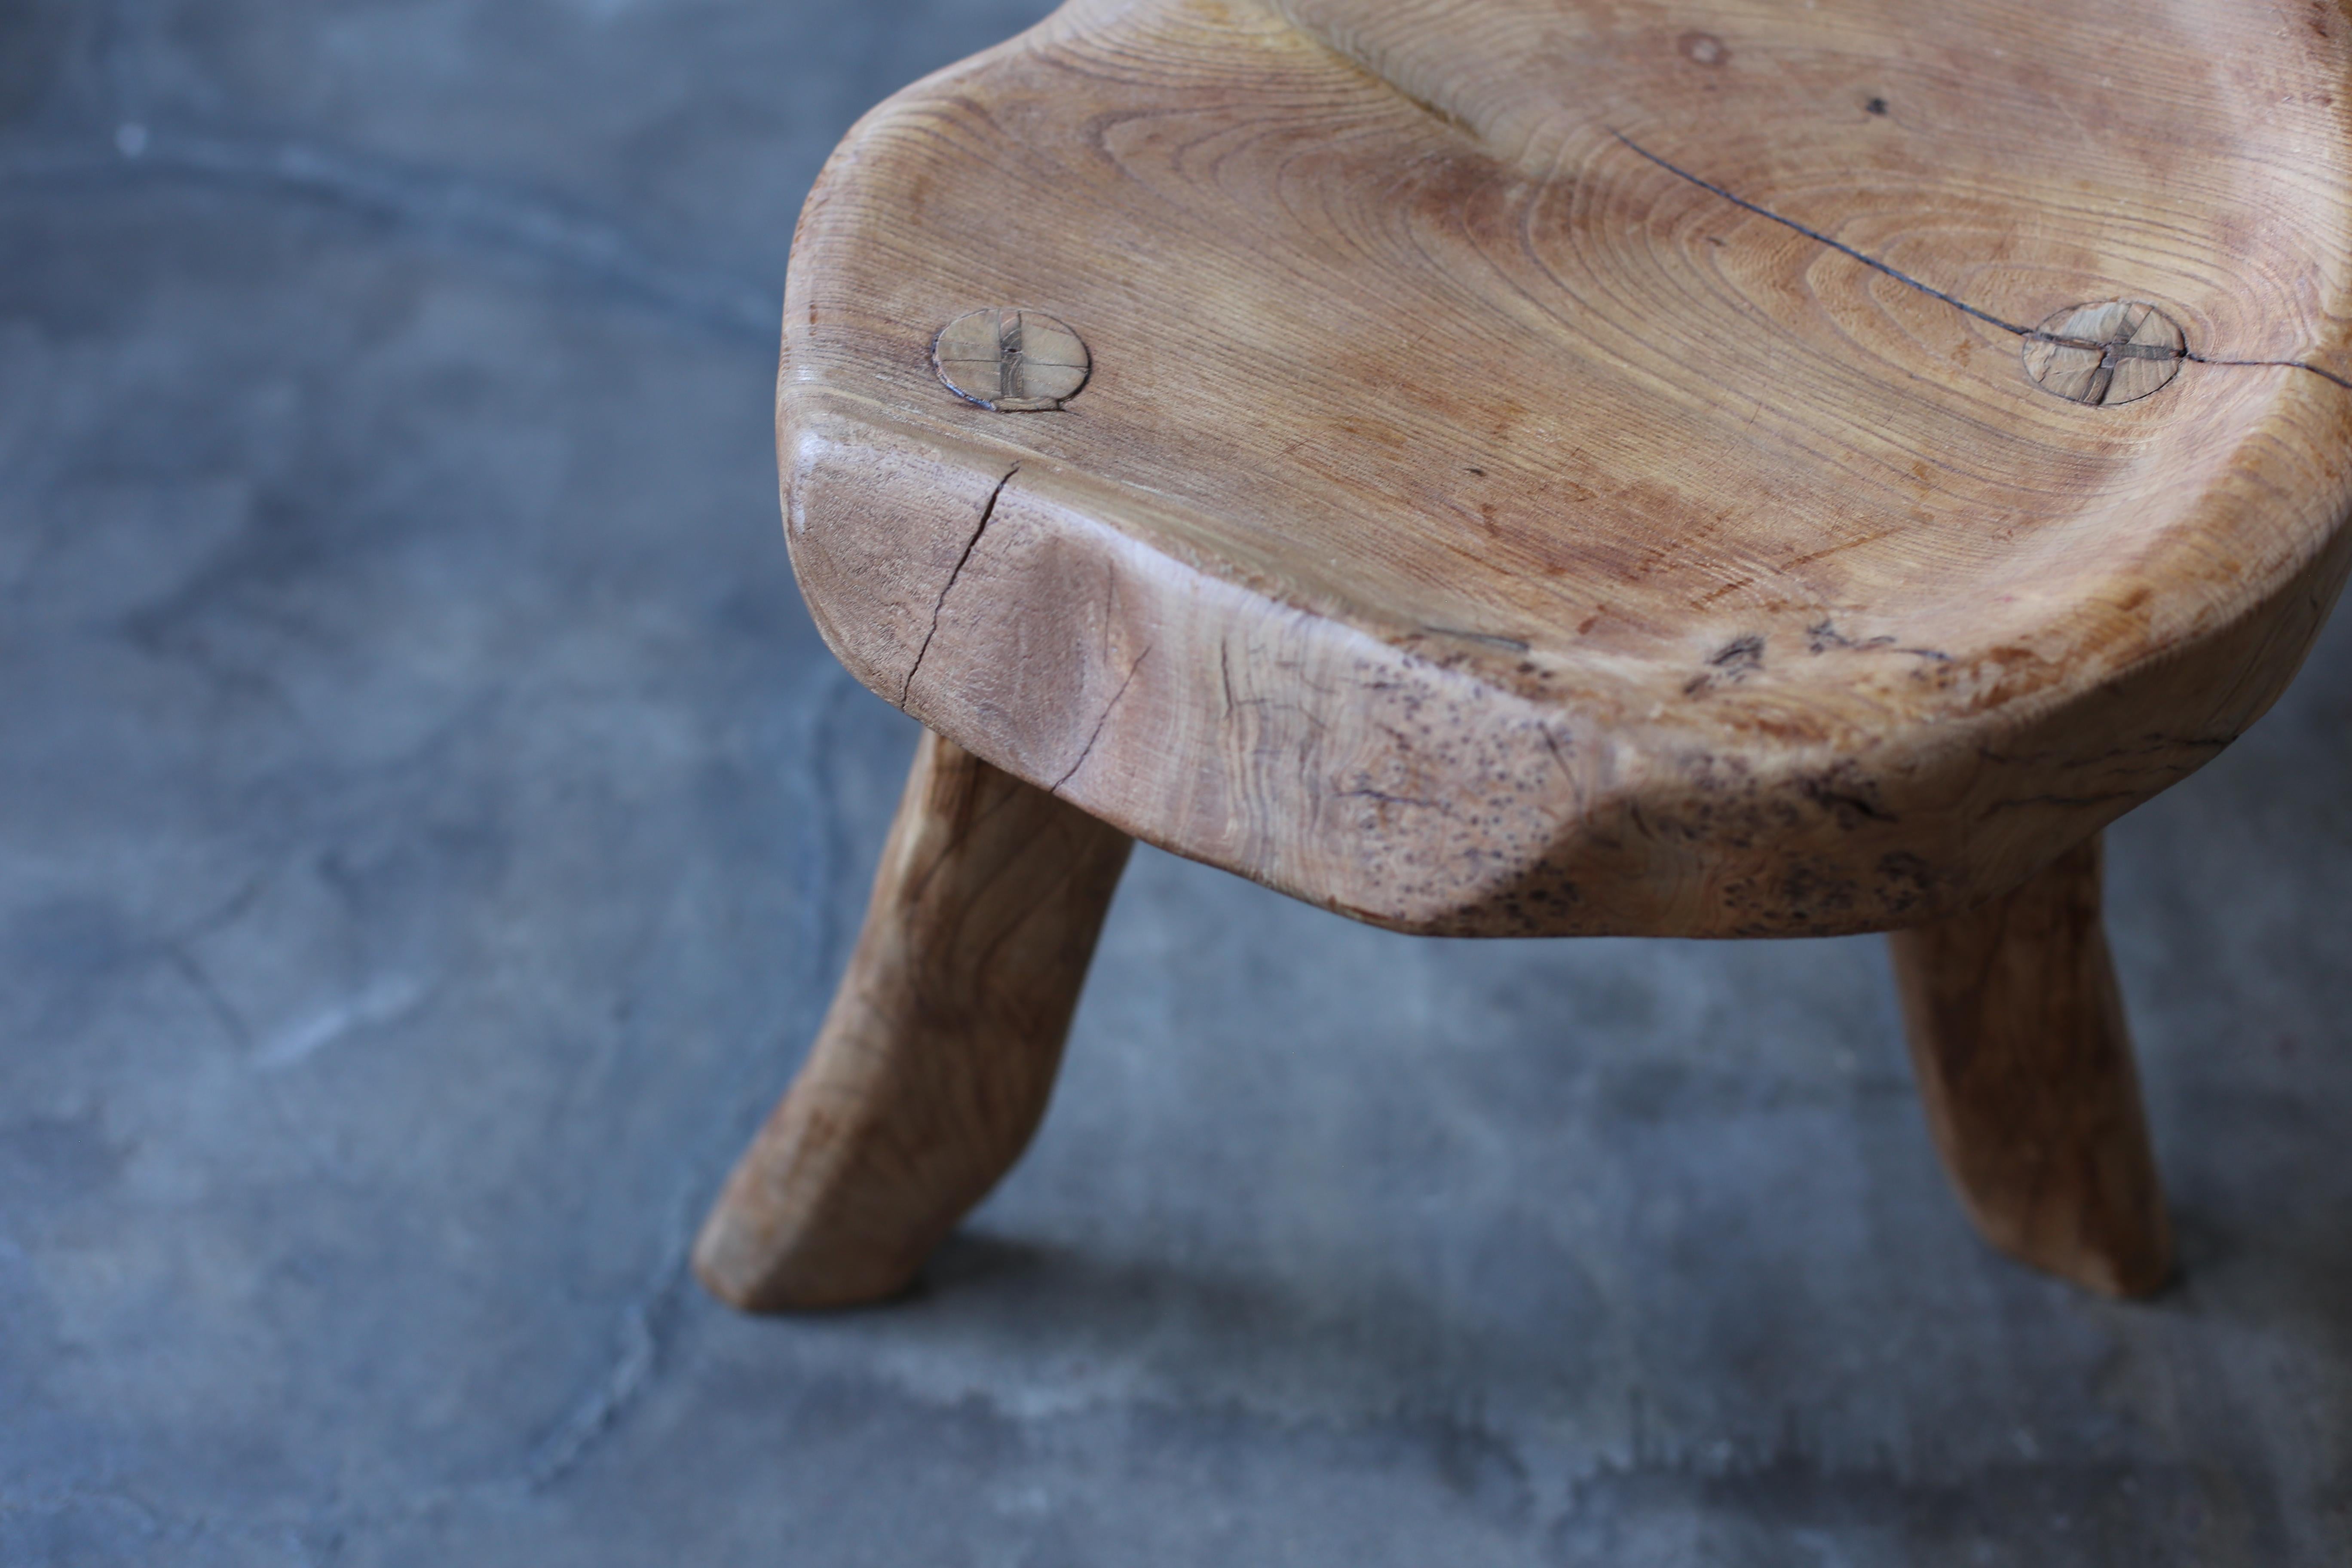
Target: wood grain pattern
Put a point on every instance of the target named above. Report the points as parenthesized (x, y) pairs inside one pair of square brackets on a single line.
[(936, 1060), (2024, 1064), (1556, 468)]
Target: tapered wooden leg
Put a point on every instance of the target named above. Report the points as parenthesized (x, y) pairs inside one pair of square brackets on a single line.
[(935, 1062), (2025, 1064)]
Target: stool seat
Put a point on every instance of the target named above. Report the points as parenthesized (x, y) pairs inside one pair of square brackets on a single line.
[(1506, 467), (1540, 468)]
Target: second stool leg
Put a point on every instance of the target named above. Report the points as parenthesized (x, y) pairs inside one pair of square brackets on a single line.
[(935, 1063), (2025, 1065)]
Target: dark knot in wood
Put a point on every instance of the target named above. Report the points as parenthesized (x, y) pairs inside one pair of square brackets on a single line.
[(1011, 362)]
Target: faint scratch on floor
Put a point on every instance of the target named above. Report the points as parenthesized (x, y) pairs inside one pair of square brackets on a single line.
[(381, 1002)]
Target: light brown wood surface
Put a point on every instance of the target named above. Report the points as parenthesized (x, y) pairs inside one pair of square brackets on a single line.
[(1558, 468), (2024, 1064), (938, 1053)]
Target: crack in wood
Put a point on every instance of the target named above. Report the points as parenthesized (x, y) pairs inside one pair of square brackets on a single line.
[(1512, 645), (1089, 749), (2031, 334), (907, 687)]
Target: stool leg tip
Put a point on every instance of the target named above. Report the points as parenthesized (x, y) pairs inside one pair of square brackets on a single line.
[(2024, 1066)]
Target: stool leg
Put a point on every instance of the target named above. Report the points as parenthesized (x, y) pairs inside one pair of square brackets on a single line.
[(2023, 1059), (934, 1065)]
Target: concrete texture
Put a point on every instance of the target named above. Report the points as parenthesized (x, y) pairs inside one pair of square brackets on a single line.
[(429, 828)]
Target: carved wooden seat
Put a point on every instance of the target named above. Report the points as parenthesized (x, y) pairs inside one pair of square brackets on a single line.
[(1516, 467)]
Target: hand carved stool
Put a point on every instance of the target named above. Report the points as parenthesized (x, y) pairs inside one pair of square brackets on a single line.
[(1509, 468)]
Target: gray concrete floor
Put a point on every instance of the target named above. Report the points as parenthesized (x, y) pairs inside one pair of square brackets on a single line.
[(429, 828)]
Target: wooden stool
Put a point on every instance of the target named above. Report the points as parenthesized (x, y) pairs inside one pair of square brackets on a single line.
[(1508, 467)]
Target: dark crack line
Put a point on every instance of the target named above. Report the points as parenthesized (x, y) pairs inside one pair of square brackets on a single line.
[(643, 1321), (1551, 744), (2271, 365), (907, 687), (1088, 750), (2031, 334), (649, 1315), (1509, 645), (1819, 237), (1835, 800)]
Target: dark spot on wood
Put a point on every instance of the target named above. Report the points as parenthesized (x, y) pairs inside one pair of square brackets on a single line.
[(1823, 636), (1876, 106), (1740, 654), (1846, 797), (1731, 662)]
